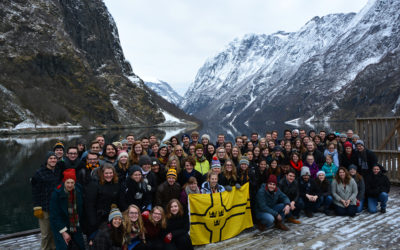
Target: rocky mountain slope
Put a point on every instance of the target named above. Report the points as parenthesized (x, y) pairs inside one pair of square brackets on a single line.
[(164, 90), (61, 62), (335, 67)]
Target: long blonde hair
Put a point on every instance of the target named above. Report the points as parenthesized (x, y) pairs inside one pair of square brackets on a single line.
[(128, 223)]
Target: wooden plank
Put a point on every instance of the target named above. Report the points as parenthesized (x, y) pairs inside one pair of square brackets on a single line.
[(374, 134), (390, 135)]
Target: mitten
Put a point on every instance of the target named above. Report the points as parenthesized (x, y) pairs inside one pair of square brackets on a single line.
[(228, 188), (38, 212), (168, 238), (145, 214), (237, 186)]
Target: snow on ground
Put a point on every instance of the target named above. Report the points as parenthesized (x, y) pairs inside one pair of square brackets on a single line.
[(30, 124)]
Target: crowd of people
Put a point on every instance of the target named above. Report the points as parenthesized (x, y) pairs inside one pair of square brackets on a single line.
[(133, 194)]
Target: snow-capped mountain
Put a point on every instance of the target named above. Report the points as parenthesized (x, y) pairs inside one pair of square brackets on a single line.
[(338, 66), (163, 89)]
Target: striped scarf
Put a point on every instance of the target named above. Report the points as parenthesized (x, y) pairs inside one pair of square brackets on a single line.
[(72, 211), (91, 166)]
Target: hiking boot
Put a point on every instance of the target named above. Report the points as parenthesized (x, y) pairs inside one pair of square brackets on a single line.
[(293, 220), (281, 226), (261, 226), (383, 210)]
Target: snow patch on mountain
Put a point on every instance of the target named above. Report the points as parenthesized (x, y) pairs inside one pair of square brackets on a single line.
[(163, 89)]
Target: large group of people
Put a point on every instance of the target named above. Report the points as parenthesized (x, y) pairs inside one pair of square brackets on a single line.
[(133, 194)]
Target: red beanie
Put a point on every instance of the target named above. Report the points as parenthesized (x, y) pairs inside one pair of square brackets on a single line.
[(272, 178), (348, 144), (69, 174)]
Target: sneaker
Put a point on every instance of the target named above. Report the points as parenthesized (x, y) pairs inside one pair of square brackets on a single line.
[(309, 214), (383, 210), (293, 220)]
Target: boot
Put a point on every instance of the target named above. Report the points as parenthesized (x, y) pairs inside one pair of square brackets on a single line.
[(260, 226), (291, 219), (280, 225), (309, 214)]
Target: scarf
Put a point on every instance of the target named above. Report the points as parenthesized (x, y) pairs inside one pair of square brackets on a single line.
[(201, 159), (72, 211), (163, 160), (297, 166), (91, 167), (189, 191)]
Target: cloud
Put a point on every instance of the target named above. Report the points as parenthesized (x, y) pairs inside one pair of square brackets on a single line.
[(170, 40)]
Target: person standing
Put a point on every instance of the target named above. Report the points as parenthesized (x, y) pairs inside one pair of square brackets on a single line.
[(43, 183), (66, 210)]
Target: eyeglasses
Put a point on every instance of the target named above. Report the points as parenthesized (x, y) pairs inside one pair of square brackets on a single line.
[(133, 213), (179, 150), (157, 213)]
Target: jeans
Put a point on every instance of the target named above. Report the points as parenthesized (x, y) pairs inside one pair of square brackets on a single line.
[(268, 219), (361, 206), (373, 202), (324, 201), (350, 210)]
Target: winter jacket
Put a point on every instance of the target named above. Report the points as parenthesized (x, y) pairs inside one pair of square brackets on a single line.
[(166, 192), (366, 161), (202, 166), (98, 200), (313, 169), (309, 188), (291, 190), (135, 193), (265, 200), (59, 217), (261, 178), (43, 183), (330, 171), (178, 226), (339, 192), (360, 188), (222, 180), (324, 188), (103, 240), (184, 176), (334, 154), (346, 161), (376, 184), (205, 188)]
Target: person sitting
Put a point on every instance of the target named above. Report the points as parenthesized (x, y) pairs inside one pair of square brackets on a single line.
[(110, 235), (377, 187), (329, 168), (308, 192), (134, 232), (272, 205), (289, 186), (360, 187), (211, 185), (344, 193), (324, 193)]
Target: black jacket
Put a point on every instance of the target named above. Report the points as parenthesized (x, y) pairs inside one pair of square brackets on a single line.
[(324, 188), (103, 239), (346, 161), (291, 190), (98, 200), (307, 188), (369, 158), (43, 183), (134, 193), (376, 184), (184, 176), (319, 157)]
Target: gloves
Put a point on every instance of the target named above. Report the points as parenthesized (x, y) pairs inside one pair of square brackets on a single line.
[(168, 238), (237, 185), (228, 188), (38, 212), (145, 214)]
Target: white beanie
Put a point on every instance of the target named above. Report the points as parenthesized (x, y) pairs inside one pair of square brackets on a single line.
[(305, 171)]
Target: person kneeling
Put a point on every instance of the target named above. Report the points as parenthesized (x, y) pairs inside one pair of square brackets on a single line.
[(378, 187), (271, 205)]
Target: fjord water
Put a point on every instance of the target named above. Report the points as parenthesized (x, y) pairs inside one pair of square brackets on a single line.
[(21, 156)]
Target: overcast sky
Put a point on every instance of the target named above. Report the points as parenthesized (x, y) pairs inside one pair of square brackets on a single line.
[(171, 39)]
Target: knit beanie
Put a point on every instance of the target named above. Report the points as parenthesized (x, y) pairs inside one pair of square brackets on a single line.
[(124, 141), (162, 145), (343, 136), (133, 169), (320, 172), (199, 146), (215, 163), (58, 145), (278, 148), (272, 178), (305, 171), (144, 160), (172, 172), (50, 153), (205, 136), (244, 160), (154, 161), (348, 144), (69, 174), (185, 135), (122, 153), (360, 142), (352, 166), (114, 212)]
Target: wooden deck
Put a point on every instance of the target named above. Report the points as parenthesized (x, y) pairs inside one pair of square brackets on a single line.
[(365, 231)]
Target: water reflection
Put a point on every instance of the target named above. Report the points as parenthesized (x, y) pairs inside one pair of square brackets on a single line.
[(20, 156)]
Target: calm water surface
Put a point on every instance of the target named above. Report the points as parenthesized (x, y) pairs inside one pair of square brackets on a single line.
[(21, 156)]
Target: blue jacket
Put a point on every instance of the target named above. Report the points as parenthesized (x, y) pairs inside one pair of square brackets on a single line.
[(265, 201), (59, 218)]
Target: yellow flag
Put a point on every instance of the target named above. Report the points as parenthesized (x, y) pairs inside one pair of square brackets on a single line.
[(219, 216)]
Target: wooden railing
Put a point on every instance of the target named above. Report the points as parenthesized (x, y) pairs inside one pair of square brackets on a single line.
[(382, 135)]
